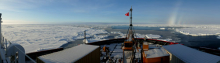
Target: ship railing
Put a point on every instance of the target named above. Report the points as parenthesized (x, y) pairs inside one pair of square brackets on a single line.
[(5, 43), (26, 55)]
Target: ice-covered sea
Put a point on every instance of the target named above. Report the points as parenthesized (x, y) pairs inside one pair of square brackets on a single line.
[(40, 37)]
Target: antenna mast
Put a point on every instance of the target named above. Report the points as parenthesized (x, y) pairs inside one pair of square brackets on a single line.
[(128, 48), (130, 33), (131, 17), (1, 30)]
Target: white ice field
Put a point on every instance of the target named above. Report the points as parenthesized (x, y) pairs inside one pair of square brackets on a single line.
[(200, 31), (193, 30), (40, 37)]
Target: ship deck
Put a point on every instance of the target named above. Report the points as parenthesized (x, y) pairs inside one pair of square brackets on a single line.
[(154, 51), (116, 52)]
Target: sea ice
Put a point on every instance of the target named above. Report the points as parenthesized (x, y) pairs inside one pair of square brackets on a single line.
[(168, 39), (40, 37), (162, 28), (97, 38), (152, 36), (199, 31)]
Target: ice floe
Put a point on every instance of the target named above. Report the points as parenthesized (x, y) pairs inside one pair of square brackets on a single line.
[(168, 39), (199, 31), (152, 36), (162, 28), (96, 38)]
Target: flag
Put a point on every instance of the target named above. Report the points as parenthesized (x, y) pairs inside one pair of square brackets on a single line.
[(127, 14)]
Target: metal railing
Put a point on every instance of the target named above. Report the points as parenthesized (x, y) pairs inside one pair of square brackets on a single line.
[(5, 43), (25, 55)]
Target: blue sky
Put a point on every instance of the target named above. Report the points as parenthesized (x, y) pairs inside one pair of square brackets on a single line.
[(110, 11)]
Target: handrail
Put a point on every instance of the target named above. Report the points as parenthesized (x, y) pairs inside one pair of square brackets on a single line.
[(25, 55), (5, 44)]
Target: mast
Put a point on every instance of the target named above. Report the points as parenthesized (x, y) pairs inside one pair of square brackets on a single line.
[(128, 48), (131, 18), (1, 30), (130, 34)]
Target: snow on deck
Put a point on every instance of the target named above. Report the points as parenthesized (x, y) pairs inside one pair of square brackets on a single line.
[(190, 55), (156, 53), (118, 47), (118, 50), (117, 55), (115, 51), (68, 55), (137, 35)]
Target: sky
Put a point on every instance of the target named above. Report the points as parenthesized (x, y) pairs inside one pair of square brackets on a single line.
[(172, 12)]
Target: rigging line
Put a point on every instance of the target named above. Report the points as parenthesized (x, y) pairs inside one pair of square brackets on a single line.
[(127, 32), (134, 32)]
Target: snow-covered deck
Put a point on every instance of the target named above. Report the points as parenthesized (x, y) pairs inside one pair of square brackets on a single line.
[(158, 52), (116, 52), (190, 55), (69, 55)]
